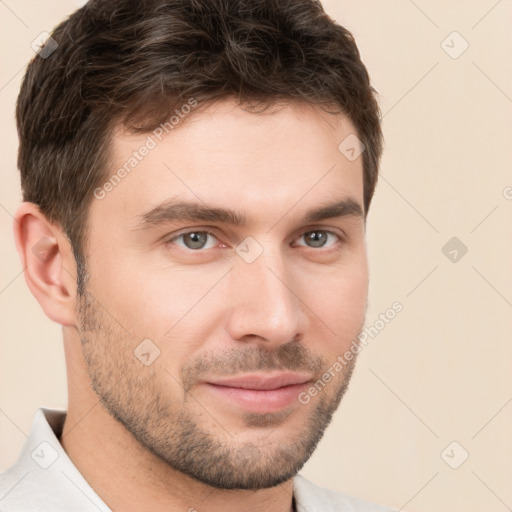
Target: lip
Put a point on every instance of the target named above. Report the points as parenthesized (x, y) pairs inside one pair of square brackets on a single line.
[(260, 393)]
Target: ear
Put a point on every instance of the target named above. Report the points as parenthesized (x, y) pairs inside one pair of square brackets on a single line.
[(48, 263)]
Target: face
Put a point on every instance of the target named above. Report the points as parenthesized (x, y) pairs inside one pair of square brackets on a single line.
[(222, 284)]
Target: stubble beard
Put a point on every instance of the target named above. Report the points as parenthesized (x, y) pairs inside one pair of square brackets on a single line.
[(138, 398)]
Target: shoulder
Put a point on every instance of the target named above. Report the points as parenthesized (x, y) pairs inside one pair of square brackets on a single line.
[(312, 498)]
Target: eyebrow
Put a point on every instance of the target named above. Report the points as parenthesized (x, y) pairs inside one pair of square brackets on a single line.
[(191, 211)]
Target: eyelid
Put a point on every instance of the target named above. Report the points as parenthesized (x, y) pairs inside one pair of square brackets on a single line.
[(328, 229), (186, 232)]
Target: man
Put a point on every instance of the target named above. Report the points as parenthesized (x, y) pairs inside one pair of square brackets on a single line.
[(196, 180)]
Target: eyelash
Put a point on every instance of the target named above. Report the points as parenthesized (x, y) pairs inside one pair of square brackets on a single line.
[(211, 233)]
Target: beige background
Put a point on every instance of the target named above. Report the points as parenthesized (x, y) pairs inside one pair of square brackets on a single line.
[(441, 370)]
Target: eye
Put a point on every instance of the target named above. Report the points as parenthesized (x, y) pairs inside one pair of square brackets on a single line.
[(198, 240), (318, 238), (194, 240)]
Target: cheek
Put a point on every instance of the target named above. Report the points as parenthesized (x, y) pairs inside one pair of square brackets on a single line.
[(126, 293), (338, 301), (157, 302)]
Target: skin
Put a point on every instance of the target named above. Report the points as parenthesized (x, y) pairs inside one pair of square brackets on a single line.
[(135, 430)]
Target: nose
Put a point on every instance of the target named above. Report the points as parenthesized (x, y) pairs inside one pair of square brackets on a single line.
[(265, 302)]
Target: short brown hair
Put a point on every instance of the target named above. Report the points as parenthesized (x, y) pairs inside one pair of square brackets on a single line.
[(131, 61)]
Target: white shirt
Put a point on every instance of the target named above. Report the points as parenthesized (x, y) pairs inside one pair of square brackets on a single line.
[(44, 479)]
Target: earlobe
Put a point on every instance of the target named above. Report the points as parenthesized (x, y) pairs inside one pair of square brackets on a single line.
[(48, 263)]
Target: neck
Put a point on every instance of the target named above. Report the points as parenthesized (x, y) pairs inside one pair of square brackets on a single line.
[(127, 477)]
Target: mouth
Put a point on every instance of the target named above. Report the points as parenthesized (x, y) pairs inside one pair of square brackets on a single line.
[(260, 393)]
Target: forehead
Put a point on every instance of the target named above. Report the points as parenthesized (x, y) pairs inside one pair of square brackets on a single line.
[(224, 155)]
